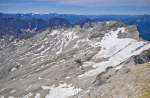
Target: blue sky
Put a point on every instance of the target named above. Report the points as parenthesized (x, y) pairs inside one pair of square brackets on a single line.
[(84, 7)]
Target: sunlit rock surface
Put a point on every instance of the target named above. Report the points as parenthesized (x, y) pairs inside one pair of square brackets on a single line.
[(97, 60)]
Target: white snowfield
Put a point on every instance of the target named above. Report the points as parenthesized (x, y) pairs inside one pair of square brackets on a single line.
[(117, 50), (62, 91)]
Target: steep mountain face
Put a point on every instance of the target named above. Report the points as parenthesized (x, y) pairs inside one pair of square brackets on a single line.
[(82, 62)]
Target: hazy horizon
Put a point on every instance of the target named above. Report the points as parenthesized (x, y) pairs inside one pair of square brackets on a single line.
[(75, 14), (78, 7)]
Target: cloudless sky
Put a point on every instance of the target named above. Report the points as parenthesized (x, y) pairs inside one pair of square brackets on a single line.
[(83, 7)]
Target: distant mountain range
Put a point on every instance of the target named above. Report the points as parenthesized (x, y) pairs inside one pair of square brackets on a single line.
[(19, 25)]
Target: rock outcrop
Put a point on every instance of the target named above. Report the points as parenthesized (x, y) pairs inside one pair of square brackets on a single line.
[(144, 57)]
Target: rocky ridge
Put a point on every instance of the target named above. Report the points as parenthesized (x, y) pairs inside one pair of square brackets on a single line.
[(88, 62)]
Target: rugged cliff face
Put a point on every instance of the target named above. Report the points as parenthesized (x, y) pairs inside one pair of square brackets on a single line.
[(93, 61), (144, 57)]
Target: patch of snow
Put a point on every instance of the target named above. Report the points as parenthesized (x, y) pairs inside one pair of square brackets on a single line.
[(11, 97), (45, 50), (86, 64), (89, 42), (13, 69), (39, 78), (67, 78), (111, 44), (70, 35), (65, 38), (94, 44), (61, 48), (107, 22), (40, 48), (54, 32), (37, 95), (62, 91), (45, 87), (118, 50), (118, 67)]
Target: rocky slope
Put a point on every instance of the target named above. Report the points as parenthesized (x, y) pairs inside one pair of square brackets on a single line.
[(98, 60)]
